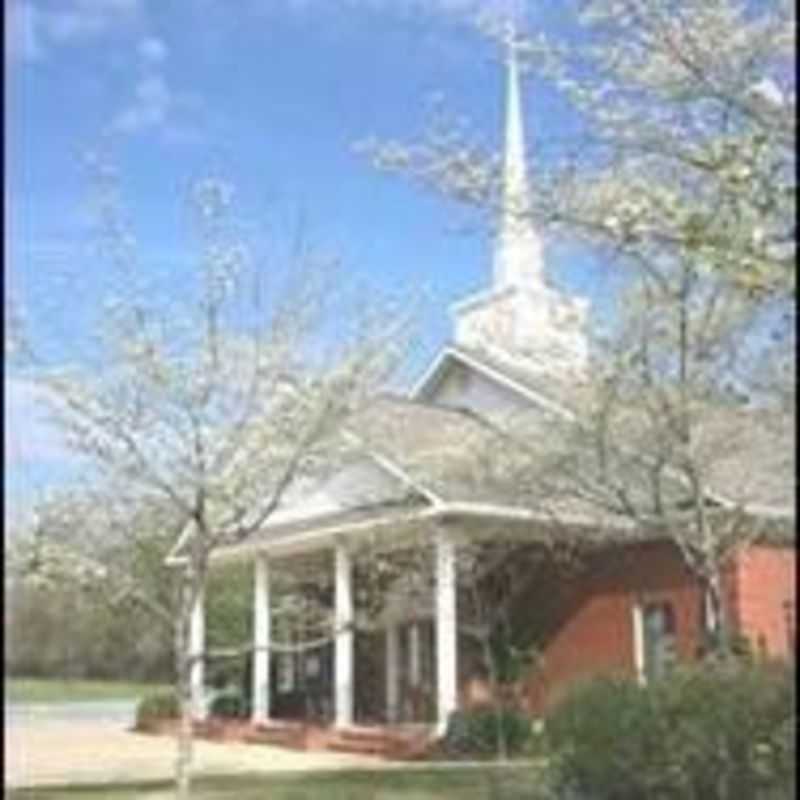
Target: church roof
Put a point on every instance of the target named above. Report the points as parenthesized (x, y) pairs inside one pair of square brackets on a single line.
[(460, 460), (461, 457), (535, 458), (447, 450)]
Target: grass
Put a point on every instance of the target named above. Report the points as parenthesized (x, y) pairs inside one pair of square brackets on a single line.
[(466, 783), (47, 690)]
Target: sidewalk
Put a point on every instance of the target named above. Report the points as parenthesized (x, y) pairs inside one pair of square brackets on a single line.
[(59, 752)]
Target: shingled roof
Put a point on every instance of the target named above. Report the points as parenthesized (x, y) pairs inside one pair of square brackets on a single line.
[(454, 456), (460, 457), (448, 451)]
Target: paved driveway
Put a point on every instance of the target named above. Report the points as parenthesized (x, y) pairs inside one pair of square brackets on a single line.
[(93, 745)]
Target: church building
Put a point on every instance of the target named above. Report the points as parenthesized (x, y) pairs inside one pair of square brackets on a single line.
[(629, 607)]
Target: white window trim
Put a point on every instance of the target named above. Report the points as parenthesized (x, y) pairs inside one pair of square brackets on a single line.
[(637, 618)]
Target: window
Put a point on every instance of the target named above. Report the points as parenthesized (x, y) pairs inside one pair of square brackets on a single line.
[(658, 639), (653, 639)]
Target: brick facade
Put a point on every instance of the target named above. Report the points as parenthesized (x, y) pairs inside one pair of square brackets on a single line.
[(590, 625), (765, 598)]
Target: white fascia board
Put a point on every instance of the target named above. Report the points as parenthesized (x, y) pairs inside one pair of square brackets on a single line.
[(781, 513), (318, 538), (296, 514), (519, 514), (510, 383), (498, 377), (430, 373), (322, 537)]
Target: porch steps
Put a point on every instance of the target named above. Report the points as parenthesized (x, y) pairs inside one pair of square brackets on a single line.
[(393, 743), (294, 736), (405, 744)]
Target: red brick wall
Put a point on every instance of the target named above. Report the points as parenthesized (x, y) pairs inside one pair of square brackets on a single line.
[(585, 619), (594, 632), (765, 593)]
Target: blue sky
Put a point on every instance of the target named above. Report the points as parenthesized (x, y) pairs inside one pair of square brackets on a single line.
[(270, 94)]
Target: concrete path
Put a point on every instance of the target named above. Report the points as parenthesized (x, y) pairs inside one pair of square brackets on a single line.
[(57, 751), (121, 712)]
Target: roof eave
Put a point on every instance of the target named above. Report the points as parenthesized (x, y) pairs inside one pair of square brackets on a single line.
[(438, 365)]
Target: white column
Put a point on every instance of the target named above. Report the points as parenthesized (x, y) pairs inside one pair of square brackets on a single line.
[(261, 641), (446, 633), (414, 672), (392, 672), (197, 646), (343, 701)]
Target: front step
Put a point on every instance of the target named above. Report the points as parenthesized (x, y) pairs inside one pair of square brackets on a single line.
[(384, 742), (293, 736), (391, 743)]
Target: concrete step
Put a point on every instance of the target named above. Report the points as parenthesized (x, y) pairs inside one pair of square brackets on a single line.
[(386, 742), (279, 734)]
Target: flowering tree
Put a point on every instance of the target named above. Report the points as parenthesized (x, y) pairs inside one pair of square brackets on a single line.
[(82, 556), (676, 436), (683, 175), (685, 136), (202, 409)]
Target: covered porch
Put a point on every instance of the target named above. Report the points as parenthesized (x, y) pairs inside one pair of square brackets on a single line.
[(394, 662), (388, 653), (416, 499)]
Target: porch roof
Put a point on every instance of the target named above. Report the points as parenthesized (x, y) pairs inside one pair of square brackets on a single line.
[(444, 462)]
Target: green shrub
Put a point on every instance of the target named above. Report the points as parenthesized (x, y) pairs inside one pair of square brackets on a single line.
[(155, 707), (231, 704), (478, 732), (712, 731)]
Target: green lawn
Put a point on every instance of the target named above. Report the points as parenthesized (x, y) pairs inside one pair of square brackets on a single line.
[(467, 783), (45, 690)]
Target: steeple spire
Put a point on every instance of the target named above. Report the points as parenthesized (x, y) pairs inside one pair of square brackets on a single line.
[(518, 251), (520, 319)]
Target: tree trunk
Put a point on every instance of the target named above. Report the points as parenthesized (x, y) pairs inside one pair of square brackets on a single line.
[(716, 622), (183, 663)]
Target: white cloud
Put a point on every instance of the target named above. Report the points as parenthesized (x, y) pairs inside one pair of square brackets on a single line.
[(40, 25), (154, 106), (80, 20), (447, 7), (152, 50), (149, 108)]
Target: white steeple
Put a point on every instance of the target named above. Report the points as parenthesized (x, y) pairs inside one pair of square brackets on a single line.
[(518, 249), (520, 317)]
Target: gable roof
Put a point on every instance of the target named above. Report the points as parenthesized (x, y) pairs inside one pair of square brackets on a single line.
[(438, 447), (537, 389), (443, 458), (750, 460)]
